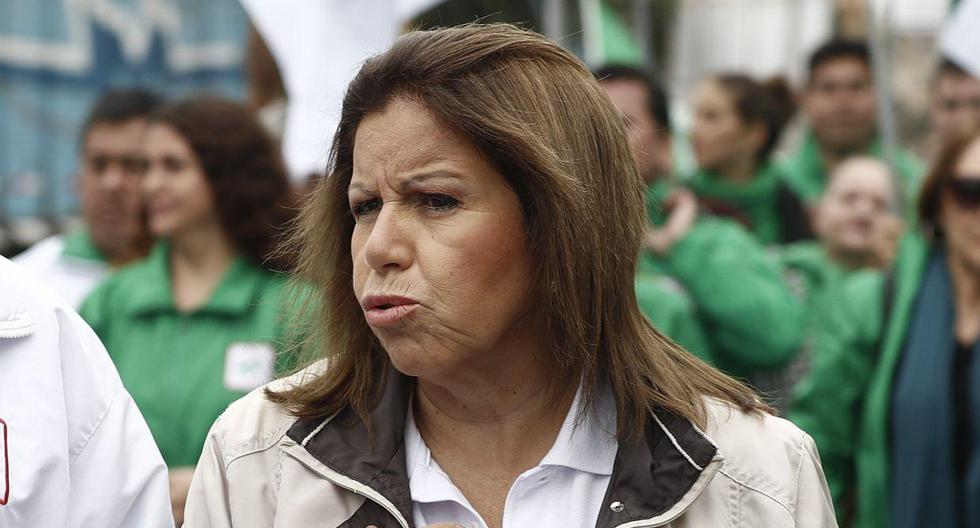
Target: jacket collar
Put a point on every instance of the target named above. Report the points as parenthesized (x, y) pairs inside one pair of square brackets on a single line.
[(234, 295), (655, 478)]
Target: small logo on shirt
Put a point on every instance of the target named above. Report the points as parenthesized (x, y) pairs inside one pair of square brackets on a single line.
[(4, 465), (248, 366)]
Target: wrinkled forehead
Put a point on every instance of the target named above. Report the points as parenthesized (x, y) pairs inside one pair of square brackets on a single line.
[(403, 138), (867, 175)]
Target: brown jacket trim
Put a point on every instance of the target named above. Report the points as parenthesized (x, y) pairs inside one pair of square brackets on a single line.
[(650, 475)]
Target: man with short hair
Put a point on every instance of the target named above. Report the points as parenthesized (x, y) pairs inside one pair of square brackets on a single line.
[(839, 104), (644, 105), (955, 105), (113, 234)]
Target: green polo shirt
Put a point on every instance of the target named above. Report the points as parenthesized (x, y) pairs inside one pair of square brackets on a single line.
[(184, 368), (805, 172), (78, 244)]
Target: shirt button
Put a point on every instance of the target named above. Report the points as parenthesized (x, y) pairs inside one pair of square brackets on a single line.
[(617, 506)]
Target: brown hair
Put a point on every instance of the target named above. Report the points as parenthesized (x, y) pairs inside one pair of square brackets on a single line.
[(244, 169), (930, 197), (534, 110), (771, 103)]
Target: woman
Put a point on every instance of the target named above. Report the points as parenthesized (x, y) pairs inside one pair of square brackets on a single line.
[(475, 247), (195, 326), (901, 352), (859, 231), (737, 122)]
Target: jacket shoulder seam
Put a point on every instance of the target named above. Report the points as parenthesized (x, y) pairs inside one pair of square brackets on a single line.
[(756, 489)]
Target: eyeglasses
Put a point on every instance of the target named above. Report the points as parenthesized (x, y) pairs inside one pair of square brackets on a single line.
[(965, 192)]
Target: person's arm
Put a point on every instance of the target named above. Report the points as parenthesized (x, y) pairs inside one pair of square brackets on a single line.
[(827, 403), (752, 318), (117, 476), (814, 508), (207, 503)]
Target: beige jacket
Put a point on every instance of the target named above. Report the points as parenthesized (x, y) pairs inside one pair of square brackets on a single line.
[(264, 468)]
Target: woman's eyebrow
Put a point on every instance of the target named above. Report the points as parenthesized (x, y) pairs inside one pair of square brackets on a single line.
[(418, 178)]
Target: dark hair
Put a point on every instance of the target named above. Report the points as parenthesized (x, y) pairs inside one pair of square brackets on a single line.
[(838, 49), (536, 112), (771, 103), (245, 170), (930, 196), (948, 66), (119, 105), (658, 104)]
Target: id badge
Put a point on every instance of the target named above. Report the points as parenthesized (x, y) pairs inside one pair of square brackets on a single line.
[(248, 366)]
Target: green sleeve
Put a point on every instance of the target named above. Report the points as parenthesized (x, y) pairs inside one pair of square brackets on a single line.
[(753, 319), (827, 403), (95, 310), (669, 308)]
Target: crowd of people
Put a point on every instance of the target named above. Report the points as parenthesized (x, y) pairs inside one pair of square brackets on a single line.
[(840, 281)]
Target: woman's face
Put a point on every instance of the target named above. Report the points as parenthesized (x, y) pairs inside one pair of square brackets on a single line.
[(178, 196), (856, 206), (719, 137), (960, 210), (441, 267)]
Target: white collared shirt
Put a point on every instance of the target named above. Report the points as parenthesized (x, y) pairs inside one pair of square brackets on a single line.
[(565, 489)]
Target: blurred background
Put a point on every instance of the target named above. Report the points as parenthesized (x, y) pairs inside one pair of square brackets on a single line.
[(57, 56)]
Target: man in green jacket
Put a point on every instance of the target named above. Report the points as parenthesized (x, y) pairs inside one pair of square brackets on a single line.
[(840, 108), (752, 320)]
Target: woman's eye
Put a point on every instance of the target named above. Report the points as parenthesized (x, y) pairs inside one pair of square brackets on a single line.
[(439, 202), (360, 209)]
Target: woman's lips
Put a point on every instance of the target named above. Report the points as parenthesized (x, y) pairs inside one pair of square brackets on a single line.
[(383, 311)]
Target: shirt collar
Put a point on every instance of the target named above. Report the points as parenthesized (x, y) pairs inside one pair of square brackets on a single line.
[(234, 295), (586, 442), (79, 245)]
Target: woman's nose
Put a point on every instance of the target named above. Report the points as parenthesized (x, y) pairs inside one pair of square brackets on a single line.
[(389, 245)]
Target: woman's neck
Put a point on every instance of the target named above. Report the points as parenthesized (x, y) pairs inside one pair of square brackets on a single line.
[(486, 429), (199, 260), (741, 171), (966, 294)]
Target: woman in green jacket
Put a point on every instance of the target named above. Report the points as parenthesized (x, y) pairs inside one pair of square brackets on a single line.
[(859, 229), (893, 400), (749, 313), (195, 326), (737, 123)]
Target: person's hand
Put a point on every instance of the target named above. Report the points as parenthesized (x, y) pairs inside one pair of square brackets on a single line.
[(888, 233), (180, 483), (682, 213)]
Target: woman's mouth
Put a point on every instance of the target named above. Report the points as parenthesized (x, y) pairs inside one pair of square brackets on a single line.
[(384, 311)]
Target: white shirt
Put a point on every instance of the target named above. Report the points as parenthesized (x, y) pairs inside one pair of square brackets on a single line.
[(70, 277), (74, 449), (565, 489)]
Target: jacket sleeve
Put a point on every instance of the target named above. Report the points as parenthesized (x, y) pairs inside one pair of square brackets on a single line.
[(750, 313), (207, 500), (827, 402), (117, 476), (814, 508)]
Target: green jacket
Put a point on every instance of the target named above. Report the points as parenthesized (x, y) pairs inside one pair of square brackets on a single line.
[(805, 172), (752, 318), (845, 402), (670, 309), (812, 274), (183, 369), (766, 205)]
